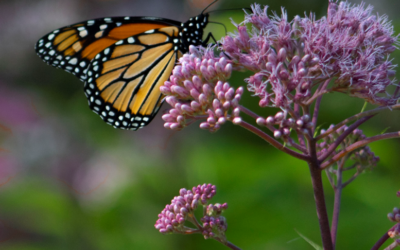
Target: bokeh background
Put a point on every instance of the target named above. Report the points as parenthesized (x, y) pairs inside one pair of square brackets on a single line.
[(70, 181)]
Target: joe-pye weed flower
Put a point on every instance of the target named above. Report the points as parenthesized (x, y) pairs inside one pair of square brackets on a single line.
[(294, 64)]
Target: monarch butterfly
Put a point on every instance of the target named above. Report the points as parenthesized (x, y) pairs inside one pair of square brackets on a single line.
[(123, 61)]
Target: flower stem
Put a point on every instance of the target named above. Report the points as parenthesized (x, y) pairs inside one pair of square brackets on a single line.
[(383, 239), (336, 206), (343, 136), (319, 197), (393, 245), (231, 246), (272, 141), (355, 117), (359, 144)]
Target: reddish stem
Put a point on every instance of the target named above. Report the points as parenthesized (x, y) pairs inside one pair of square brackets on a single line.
[(383, 239), (336, 206), (319, 197), (343, 136), (355, 117), (359, 144), (272, 141)]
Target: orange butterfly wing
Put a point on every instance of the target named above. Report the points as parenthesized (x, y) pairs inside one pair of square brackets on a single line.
[(124, 80), (71, 48)]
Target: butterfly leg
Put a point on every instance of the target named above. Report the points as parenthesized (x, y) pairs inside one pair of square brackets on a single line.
[(210, 36)]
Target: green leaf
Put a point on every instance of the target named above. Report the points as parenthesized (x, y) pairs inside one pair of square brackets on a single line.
[(364, 107), (384, 131), (317, 129), (313, 244)]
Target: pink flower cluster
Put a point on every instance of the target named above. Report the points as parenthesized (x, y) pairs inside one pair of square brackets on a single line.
[(302, 125), (198, 90), (395, 215), (350, 47), (214, 225), (174, 215)]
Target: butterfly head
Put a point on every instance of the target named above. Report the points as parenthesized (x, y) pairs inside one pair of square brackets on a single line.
[(191, 32)]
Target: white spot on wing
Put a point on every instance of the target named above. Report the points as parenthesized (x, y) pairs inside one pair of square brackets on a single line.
[(83, 33), (73, 61)]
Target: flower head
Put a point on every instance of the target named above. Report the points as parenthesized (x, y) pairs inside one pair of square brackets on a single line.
[(293, 63), (350, 46), (198, 89), (173, 217)]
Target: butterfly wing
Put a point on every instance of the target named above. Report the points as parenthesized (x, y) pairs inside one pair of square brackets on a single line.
[(123, 61), (124, 80), (73, 47)]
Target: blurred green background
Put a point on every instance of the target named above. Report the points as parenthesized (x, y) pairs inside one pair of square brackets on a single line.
[(70, 181)]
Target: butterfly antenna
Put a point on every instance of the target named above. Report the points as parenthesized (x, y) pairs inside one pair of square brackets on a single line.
[(249, 9), (209, 6), (226, 31)]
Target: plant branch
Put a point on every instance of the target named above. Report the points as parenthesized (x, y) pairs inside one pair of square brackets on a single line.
[(319, 196), (343, 136), (355, 117), (299, 136), (318, 103), (336, 206), (351, 179), (383, 239), (231, 246), (359, 144), (297, 146), (331, 181), (272, 141), (315, 113), (392, 246), (248, 112)]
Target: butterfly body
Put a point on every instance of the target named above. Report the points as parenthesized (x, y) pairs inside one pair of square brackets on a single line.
[(122, 61)]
